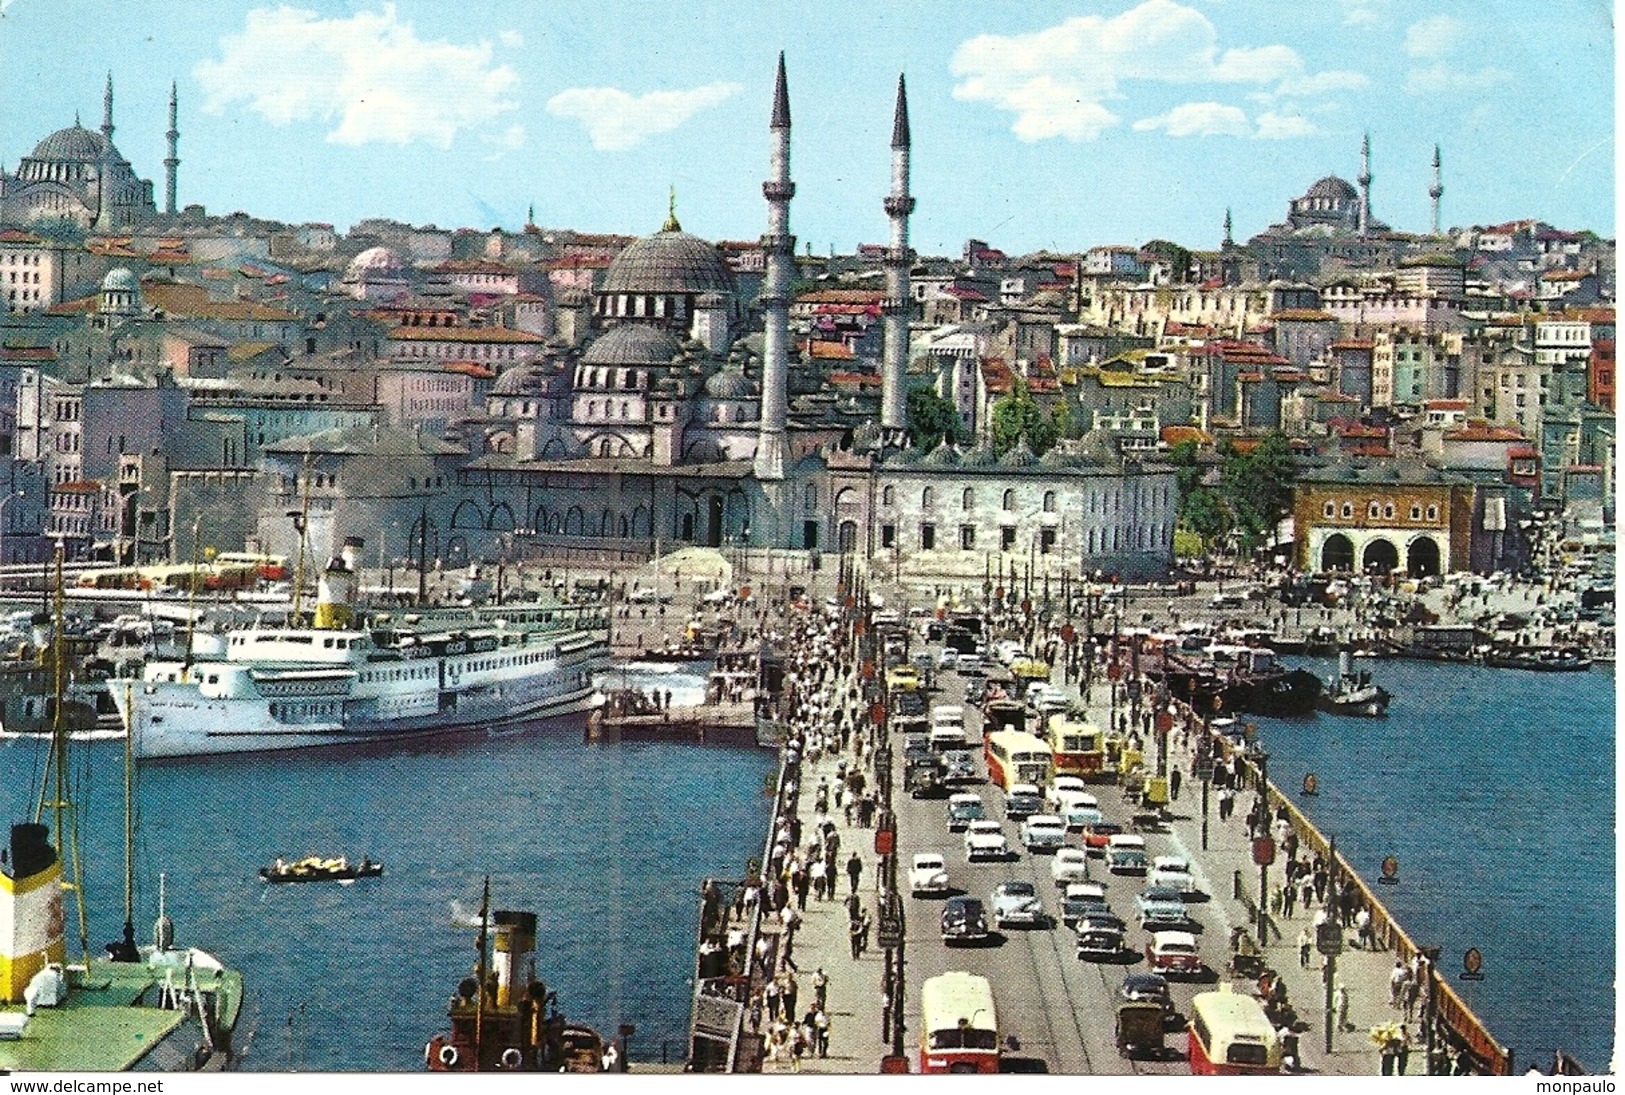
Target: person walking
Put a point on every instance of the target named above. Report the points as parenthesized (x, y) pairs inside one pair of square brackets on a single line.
[(820, 988), (1340, 1004), (1396, 983), (1403, 1053), (1174, 780), (820, 1020), (854, 935), (1303, 947), (854, 871)]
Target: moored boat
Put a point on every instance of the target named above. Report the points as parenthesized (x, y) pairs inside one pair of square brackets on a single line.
[(316, 869), (504, 1020), (346, 681), (1351, 693), (1541, 659)]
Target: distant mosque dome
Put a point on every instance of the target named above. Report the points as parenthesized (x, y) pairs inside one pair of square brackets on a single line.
[(1332, 187), (378, 273), (376, 262), (75, 144), (664, 279), (120, 279)]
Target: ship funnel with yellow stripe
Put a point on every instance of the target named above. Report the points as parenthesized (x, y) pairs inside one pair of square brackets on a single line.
[(31, 926), (336, 590)]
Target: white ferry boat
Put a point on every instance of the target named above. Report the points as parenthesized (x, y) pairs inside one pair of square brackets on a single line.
[(341, 682)]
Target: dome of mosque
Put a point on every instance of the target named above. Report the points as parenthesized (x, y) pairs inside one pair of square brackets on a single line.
[(376, 262), (634, 345), (669, 262), (729, 383), (522, 380), (1331, 187), (120, 279), (74, 144)]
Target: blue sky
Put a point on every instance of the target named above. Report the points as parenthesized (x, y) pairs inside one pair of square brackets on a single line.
[(1036, 125)]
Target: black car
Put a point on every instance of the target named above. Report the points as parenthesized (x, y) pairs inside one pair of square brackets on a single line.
[(1151, 987), (907, 703), (924, 776), (964, 920), (1099, 941), (975, 687), (1077, 909)]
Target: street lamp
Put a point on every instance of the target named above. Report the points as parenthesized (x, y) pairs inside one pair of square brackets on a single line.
[(4, 502)]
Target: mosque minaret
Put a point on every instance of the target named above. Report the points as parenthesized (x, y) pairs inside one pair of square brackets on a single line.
[(780, 247), (899, 258)]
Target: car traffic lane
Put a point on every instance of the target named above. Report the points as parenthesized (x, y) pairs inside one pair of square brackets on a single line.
[(1061, 1009)]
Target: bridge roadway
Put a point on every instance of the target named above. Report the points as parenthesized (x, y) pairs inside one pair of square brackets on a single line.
[(1062, 1009)]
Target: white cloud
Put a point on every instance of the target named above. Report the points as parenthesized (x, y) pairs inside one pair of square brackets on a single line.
[(370, 72), (1273, 126), (616, 120), (1436, 36), (1444, 79), (1200, 120), (511, 38), (1365, 13), (1057, 81)]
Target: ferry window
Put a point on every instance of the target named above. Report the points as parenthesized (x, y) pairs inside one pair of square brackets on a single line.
[(214, 678)]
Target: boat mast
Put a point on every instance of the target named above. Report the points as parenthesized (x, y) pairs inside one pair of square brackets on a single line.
[(66, 830), (191, 601), (479, 995), (129, 952), (301, 521)]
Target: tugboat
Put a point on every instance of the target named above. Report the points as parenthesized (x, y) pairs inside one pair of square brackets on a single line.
[(1351, 693), (1240, 679), (316, 869), (504, 1020)]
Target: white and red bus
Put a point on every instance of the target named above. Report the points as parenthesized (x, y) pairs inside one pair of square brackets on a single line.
[(1231, 1036), (959, 1024), (1014, 756), (271, 568), (1077, 748)]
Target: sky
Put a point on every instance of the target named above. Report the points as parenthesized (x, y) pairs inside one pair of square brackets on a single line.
[(1040, 125)]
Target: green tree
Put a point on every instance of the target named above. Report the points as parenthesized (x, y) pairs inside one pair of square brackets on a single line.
[(1187, 472), (931, 418), (1257, 485), (1019, 416), (1068, 425), (1205, 513)]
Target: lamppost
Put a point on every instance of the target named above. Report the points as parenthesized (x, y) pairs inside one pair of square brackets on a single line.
[(4, 502)]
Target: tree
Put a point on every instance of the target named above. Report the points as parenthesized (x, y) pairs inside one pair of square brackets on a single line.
[(1187, 472), (1258, 486), (1205, 513), (931, 418), (1016, 417)]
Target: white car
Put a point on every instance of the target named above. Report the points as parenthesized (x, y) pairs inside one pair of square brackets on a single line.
[(1173, 872), (928, 874), (948, 659), (985, 840), (968, 662), (1043, 833), (1065, 791), (718, 596), (1069, 865)]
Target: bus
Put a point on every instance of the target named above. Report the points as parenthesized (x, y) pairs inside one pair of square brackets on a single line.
[(1231, 1036), (959, 1025), (1016, 757), (272, 568), (1078, 747), (110, 578)]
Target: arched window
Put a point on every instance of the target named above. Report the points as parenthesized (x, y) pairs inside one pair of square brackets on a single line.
[(888, 495), (603, 447), (1049, 501), (1009, 501), (927, 498), (967, 500)]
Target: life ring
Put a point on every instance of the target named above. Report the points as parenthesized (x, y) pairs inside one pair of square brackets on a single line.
[(448, 1056), (511, 1058)]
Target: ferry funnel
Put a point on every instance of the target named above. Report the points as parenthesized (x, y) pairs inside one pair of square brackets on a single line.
[(336, 589), (511, 953), (31, 935)]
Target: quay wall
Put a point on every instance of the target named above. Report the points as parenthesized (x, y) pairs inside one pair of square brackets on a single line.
[(1450, 1008)]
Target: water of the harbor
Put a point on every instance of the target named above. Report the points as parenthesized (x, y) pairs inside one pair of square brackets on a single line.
[(1494, 788), (608, 845)]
